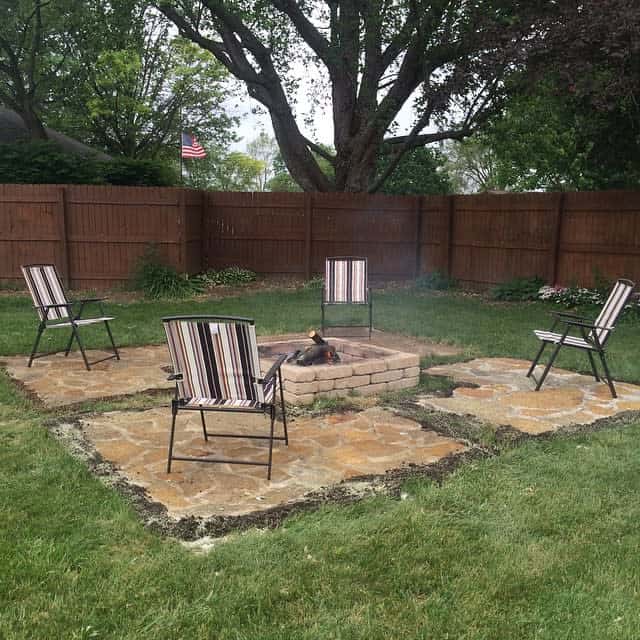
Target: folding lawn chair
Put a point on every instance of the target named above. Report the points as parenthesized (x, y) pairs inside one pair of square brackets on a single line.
[(57, 312), (346, 283), (216, 368), (593, 336)]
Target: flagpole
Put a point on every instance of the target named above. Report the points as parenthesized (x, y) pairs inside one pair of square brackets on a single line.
[(180, 150)]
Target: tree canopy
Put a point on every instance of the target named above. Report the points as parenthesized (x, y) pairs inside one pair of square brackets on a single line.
[(372, 58)]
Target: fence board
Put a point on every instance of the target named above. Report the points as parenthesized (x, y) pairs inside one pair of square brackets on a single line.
[(480, 240)]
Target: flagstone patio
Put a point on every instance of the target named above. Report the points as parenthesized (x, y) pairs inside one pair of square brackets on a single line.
[(322, 452), (503, 395), (58, 381)]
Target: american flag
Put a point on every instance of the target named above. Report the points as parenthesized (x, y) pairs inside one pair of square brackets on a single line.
[(191, 147)]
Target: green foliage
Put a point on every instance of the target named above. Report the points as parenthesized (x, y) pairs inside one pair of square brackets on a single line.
[(222, 170), (317, 282), (231, 276), (46, 163), (156, 279), (420, 171), (517, 289), (143, 173), (549, 138), (435, 281)]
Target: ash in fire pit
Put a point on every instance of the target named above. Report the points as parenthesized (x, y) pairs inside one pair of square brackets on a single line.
[(319, 353)]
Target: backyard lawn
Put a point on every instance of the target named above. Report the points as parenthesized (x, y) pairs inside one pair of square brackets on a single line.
[(540, 541)]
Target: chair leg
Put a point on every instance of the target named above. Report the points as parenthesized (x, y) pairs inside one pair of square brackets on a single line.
[(548, 367), (204, 426), (113, 344), (84, 355), (607, 374), (593, 366), (535, 360), (174, 413), (284, 412), (69, 345), (322, 320), (272, 413), (35, 345)]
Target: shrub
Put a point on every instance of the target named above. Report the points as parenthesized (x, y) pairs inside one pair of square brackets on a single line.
[(44, 162), (571, 296), (230, 276), (517, 289), (158, 280), (435, 281), (317, 282)]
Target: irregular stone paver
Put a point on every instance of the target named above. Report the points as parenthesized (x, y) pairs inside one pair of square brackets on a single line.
[(321, 452), (505, 396), (59, 381)]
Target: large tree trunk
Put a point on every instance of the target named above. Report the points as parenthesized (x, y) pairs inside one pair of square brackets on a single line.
[(33, 123)]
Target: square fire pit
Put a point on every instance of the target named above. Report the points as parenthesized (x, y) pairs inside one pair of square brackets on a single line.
[(363, 368)]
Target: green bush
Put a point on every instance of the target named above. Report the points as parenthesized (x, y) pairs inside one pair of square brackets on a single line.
[(435, 281), (231, 276), (317, 282), (517, 289), (46, 163), (158, 280)]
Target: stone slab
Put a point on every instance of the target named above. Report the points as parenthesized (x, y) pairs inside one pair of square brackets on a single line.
[(505, 396)]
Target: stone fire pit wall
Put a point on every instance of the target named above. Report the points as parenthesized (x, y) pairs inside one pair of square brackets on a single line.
[(365, 369)]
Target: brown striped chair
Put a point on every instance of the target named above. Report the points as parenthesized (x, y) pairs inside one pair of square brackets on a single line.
[(346, 282), (216, 368), (593, 336), (57, 312)]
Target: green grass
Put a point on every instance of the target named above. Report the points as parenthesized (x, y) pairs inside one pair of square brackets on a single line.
[(540, 542), (482, 328)]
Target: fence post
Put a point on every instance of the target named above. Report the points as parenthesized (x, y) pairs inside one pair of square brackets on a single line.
[(204, 261), (308, 234), (181, 236), (61, 215), (556, 239), (449, 230), (419, 214)]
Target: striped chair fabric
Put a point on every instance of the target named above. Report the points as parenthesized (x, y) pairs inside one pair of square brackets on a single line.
[(46, 289), (346, 280), (219, 364)]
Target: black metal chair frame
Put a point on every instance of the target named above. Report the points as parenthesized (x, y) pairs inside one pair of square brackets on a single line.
[(588, 332), (179, 404), (324, 304), (72, 319)]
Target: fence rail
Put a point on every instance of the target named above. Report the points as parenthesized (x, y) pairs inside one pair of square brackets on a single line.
[(97, 234)]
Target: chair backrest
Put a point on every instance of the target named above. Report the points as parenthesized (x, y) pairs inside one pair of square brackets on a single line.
[(612, 308), (346, 280), (46, 288), (217, 357)]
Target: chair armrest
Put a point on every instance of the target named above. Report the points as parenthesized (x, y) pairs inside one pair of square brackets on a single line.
[(86, 300), (53, 306), (564, 314), (588, 325), (274, 369), (175, 376)]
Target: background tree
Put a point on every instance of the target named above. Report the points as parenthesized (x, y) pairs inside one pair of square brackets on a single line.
[(222, 170), (473, 166), (373, 57), (34, 54), (265, 149), (144, 86), (421, 171)]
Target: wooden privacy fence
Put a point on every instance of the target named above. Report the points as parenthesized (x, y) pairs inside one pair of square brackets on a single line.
[(96, 234)]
